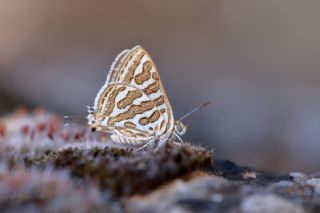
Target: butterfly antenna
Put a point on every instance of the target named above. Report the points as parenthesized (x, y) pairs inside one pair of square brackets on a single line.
[(75, 119), (195, 110)]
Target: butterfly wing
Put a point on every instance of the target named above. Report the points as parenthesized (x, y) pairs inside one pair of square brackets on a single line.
[(133, 83), (129, 112), (114, 70), (138, 70)]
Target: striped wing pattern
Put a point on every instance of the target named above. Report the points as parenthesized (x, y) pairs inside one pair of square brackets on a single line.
[(133, 104)]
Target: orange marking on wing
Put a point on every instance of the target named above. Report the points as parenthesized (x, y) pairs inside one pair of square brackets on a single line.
[(128, 100), (116, 69), (154, 117), (130, 124), (162, 125), (103, 97), (139, 135), (145, 74), (111, 100), (144, 121), (152, 88), (125, 132), (132, 68), (131, 112), (155, 76), (159, 101), (125, 64)]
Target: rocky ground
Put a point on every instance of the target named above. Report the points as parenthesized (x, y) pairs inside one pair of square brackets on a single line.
[(45, 166)]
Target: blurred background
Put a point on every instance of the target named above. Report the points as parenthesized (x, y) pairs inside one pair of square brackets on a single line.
[(258, 61)]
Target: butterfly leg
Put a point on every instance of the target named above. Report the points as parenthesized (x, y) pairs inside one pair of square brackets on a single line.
[(161, 144), (145, 145), (180, 139)]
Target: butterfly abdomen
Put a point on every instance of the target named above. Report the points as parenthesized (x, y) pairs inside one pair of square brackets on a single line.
[(123, 140)]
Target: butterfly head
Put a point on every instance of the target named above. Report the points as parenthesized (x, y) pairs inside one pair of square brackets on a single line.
[(180, 128), (94, 120)]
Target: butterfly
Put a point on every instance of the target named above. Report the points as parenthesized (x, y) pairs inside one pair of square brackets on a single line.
[(132, 105)]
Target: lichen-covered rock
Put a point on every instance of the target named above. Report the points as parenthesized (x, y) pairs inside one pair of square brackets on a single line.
[(125, 172), (268, 203), (47, 167), (297, 176), (201, 194), (31, 190), (315, 183)]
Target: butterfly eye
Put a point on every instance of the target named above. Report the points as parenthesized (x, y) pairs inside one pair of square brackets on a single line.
[(180, 128)]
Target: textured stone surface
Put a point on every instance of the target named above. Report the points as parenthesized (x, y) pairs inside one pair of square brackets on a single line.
[(269, 203), (201, 194), (45, 166)]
